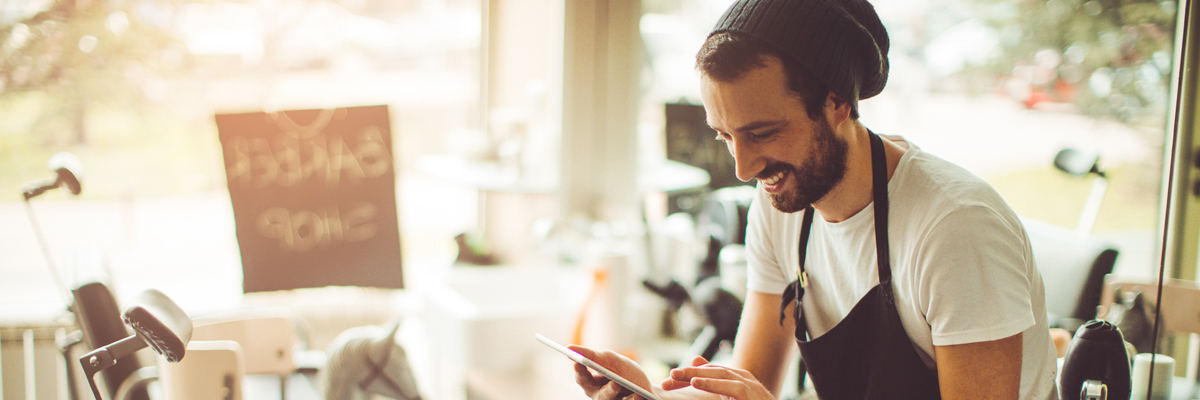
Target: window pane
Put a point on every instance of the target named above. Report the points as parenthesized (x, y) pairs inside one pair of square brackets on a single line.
[(1001, 87), (131, 89)]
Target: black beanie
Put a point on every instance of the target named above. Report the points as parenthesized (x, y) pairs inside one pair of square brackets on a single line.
[(841, 42)]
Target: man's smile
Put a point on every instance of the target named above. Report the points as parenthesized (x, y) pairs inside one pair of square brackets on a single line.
[(774, 182)]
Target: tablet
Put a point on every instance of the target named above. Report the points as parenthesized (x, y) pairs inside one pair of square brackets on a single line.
[(579, 358)]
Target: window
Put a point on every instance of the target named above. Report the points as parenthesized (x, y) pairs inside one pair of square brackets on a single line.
[(131, 88), (1000, 88)]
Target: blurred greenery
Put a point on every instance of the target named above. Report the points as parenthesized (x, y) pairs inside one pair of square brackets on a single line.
[(77, 56), (88, 77), (1110, 58), (158, 153), (1055, 197)]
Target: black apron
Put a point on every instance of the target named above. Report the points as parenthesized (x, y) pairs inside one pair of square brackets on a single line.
[(868, 354)]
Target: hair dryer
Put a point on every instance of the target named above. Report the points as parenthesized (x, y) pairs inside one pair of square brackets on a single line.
[(1096, 365)]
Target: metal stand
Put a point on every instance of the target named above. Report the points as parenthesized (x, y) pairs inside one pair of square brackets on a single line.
[(107, 356)]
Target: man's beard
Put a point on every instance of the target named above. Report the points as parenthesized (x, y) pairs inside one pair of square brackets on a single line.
[(825, 167)]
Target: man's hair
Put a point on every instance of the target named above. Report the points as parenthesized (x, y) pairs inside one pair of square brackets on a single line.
[(726, 56)]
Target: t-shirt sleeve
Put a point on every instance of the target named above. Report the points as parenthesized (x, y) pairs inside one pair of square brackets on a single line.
[(977, 284), (764, 274)]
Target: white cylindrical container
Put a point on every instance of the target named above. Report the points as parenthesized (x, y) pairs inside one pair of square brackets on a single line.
[(1164, 371)]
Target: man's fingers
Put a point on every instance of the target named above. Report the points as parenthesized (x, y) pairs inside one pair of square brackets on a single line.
[(588, 380), (672, 384), (586, 352), (730, 388), (600, 387), (700, 364), (683, 380), (603, 357), (728, 382), (603, 387), (583, 373), (708, 371), (613, 390)]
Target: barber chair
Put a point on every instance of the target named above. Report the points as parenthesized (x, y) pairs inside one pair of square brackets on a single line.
[(1073, 270), (157, 323), (99, 319), (248, 353)]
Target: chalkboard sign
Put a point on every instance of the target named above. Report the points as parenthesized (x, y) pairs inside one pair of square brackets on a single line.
[(314, 197)]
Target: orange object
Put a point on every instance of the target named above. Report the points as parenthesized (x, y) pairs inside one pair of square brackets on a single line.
[(599, 279)]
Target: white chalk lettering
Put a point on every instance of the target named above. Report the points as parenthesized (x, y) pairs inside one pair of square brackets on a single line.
[(302, 230), (289, 160), (374, 157)]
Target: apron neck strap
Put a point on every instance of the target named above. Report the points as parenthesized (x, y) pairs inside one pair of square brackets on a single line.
[(879, 183), (795, 290)]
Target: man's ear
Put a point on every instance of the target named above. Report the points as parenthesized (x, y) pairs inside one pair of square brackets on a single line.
[(837, 110)]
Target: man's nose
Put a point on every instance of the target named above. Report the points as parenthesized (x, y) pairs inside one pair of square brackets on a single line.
[(746, 160)]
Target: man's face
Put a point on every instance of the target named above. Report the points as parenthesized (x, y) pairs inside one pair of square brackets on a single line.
[(796, 159)]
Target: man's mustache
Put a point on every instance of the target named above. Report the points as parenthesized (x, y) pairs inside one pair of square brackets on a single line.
[(774, 168)]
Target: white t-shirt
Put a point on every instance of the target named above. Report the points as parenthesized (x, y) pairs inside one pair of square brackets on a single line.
[(962, 267)]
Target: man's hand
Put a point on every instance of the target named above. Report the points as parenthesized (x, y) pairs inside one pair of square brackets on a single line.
[(598, 387), (729, 383)]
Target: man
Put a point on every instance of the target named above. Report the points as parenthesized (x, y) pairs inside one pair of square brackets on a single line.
[(912, 278)]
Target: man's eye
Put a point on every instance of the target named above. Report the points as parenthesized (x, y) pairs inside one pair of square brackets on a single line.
[(722, 136), (763, 134)]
